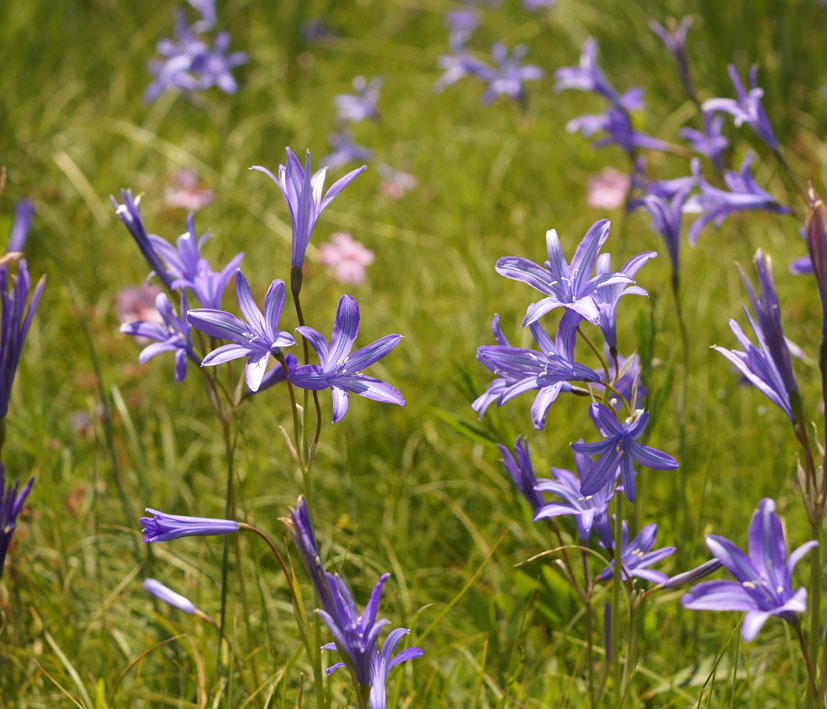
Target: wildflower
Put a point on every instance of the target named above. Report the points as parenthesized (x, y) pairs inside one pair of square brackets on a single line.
[(162, 527), (395, 183), (346, 257), (458, 64), (607, 297), (675, 40), (186, 194), (345, 150), (548, 370), (167, 595), (508, 79), (617, 126), (715, 204), (666, 215), (608, 189), (14, 323), (747, 108), (461, 22), (496, 388), (257, 339), (693, 575), (711, 142), (588, 76), (636, 557), (767, 367), (535, 5), (521, 471), (355, 107), (382, 663), (172, 335), (564, 286), (23, 214), (763, 585), (618, 450), (584, 508), (130, 214), (10, 505), (627, 373), (303, 195), (276, 374), (339, 369), (816, 232)]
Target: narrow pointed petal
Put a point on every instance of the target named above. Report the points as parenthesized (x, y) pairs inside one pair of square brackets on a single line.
[(256, 368), (217, 323), (345, 329), (226, 353), (652, 458), (364, 357), (340, 403)]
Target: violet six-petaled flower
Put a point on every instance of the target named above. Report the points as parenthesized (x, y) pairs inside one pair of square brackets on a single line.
[(339, 369), (636, 556), (763, 585), (162, 527)]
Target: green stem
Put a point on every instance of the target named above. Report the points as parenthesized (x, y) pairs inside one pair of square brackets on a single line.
[(618, 580), (682, 401), (589, 629), (811, 680), (814, 605)]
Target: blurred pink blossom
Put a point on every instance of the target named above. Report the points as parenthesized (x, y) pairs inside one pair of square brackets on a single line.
[(608, 189), (395, 183), (346, 257), (137, 303), (186, 194)]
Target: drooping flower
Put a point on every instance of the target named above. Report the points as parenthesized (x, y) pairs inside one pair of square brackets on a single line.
[(356, 107), (607, 297), (257, 339), (345, 150), (303, 195), (171, 335), (189, 270), (345, 257), (585, 508), (355, 635), (548, 370), (11, 503), (565, 286), (747, 108), (518, 465), (507, 79), (666, 215), (186, 193), (608, 189), (715, 204), (339, 369), (711, 142), (167, 595), (23, 213), (636, 557), (763, 585), (768, 367), (130, 214), (14, 321), (619, 450), (675, 40), (162, 527)]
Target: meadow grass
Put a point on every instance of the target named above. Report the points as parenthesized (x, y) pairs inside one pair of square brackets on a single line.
[(417, 491)]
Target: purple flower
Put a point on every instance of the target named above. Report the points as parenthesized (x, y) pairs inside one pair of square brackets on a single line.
[(667, 189), (816, 234), (214, 67), (339, 369), (303, 195), (14, 322), (355, 635), (508, 79), (130, 214), (763, 585), (167, 595), (189, 270), (459, 64), (636, 557), (666, 217), (675, 40), (162, 527), (629, 370), (355, 107), (767, 367), (711, 143), (10, 505), (548, 370), (521, 471), (496, 387), (276, 374), (345, 150), (566, 286), (535, 5), (715, 204), (617, 126), (747, 108), (23, 214), (462, 22), (173, 335), (585, 508), (618, 450), (607, 297), (257, 339), (588, 76)]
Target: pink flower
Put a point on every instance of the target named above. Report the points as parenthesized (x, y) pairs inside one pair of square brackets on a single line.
[(346, 257), (186, 194), (136, 304), (395, 183), (608, 189)]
